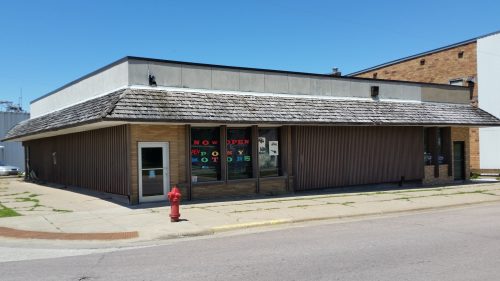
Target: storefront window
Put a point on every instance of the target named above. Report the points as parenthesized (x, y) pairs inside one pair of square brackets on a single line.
[(441, 159), (434, 139), (269, 152), (427, 150), (205, 154), (239, 153)]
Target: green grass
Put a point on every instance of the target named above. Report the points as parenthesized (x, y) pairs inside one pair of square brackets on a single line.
[(36, 202), (61, 211), (7, 212)]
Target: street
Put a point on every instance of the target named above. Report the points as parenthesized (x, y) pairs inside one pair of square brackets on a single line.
[(455, 244)]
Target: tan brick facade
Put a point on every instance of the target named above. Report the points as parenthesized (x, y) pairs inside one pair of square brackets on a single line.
[(175, 136), (457, 134), (463, 134), (430, 179), (438, 67)]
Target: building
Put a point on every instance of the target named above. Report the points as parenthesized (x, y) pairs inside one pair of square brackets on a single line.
[(139, 125), (474, 63), (11, 153)]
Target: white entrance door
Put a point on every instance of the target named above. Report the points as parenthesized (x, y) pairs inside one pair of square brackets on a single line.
[(153, 171)]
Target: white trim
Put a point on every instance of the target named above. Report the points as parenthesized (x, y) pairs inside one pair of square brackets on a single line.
[(71, 130), (166, 170), (267, 94), (264, 94), (78, 102)]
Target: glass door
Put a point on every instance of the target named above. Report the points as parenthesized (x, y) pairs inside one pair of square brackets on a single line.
[(153, 171), (459, 160)]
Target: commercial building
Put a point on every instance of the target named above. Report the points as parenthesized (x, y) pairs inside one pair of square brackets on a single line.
[(138, 126), (474, 63)]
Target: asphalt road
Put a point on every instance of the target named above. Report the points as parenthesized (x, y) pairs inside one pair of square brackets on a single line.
[(460, 244)]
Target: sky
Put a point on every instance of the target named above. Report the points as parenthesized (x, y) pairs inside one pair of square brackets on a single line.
[(46, 44)]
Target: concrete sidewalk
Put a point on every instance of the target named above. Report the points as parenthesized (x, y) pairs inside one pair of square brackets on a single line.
[(53, 213)]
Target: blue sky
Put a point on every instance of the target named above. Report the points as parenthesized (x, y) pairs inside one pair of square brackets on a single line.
[(46, 44)]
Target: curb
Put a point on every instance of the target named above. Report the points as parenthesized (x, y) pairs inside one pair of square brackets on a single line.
[(230, 227), (109, 236), (29, 234)]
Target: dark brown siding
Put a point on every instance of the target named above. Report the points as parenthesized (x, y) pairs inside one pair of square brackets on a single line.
[(94, 159), (342, 156)]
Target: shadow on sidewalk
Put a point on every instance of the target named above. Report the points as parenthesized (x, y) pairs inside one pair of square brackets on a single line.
[(123, 200)]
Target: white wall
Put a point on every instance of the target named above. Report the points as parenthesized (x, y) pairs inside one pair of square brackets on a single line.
[(90, 87), (488, 73), (131, 72), (242, 80), (13, 152)]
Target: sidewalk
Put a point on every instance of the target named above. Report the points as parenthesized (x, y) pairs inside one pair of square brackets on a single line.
[(52, 213)]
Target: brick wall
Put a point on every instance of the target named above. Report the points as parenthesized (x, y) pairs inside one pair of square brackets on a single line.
[(430, 179), (463, 134), (175, 136), (439, 67)]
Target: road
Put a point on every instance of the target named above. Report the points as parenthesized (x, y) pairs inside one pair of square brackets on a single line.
[(458, 244)]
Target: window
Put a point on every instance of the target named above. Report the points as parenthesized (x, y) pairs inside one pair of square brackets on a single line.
[(239, 153), (457, 82), (460, 54), (422, 62), (205, 154), (441, 158), (269, 152), (433, 141), (427, 150)]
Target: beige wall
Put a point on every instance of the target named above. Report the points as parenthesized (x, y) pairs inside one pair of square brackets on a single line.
[(463, 134), (430, 179), (457, 134), (439, 67), (175, 136)]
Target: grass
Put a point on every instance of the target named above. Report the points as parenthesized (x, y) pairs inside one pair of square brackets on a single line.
[(61, 211), (14, 194), (30, 199), (7, 212)]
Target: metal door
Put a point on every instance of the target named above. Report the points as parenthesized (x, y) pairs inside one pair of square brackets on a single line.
[(458, 160), (153, 171)]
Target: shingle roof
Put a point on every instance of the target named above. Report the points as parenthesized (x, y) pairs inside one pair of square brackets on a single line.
[(197, 107)]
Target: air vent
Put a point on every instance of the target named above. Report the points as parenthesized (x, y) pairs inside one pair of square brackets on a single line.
[(152, 81), (374, 91)]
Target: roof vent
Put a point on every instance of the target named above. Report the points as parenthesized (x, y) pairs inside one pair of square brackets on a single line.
[(374, 91), (152, 80), (336, 72)]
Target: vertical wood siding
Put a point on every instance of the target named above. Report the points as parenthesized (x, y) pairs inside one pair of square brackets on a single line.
[(94, 159), (343, 156)]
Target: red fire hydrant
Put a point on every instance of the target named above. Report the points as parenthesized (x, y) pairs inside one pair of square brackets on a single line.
[(174, 196)]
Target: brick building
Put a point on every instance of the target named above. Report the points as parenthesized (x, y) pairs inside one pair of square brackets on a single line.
[(474, 63), (138, 126)]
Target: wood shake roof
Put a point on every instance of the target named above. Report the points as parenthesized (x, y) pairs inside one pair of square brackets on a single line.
[(197, 107)]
